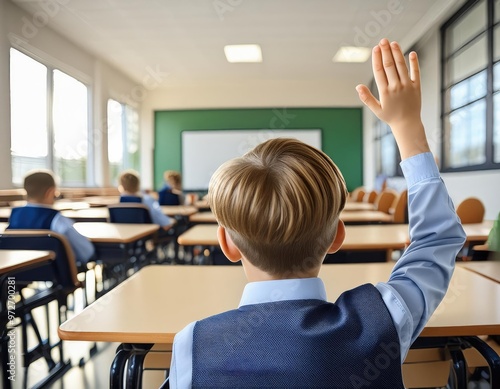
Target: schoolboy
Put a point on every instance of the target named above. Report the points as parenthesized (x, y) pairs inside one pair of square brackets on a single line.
[(171, 193), (278, 211), (130, 192), (39, 213)]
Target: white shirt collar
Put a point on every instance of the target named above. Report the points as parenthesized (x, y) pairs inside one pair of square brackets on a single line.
[(279, 290)]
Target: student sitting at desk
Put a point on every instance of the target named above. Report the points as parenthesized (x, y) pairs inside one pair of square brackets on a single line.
[(278, 210), (38, 214), (130, 193), (171, 193)]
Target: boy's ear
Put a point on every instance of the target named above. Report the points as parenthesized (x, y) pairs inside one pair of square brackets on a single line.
[(339, 238), (51, 194), (227, 245)]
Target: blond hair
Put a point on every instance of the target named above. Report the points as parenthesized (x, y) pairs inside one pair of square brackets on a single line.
[(130, 182), (280, 204), (173, 178), (37, 183)]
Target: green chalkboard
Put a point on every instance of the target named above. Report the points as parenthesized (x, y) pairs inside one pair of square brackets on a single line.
[(342, 133)]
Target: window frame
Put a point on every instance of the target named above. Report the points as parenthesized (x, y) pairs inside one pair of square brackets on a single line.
[(488, 30), (52, 65)]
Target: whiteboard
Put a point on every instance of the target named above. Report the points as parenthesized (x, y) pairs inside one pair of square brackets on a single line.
[(204, 151)]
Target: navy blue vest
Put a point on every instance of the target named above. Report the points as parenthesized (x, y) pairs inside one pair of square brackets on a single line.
[(130, 199), (351, 343), (167, 197), (31, 218)]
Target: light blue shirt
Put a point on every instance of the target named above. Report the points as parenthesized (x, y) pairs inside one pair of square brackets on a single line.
[(417, 283), (82, 247), (155, 211)]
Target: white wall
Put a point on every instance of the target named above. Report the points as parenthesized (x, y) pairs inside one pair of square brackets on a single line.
[(18, 29)]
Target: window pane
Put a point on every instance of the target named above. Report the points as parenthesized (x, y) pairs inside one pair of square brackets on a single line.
[(132, 156), (467, 27), (496, 132), (115, 138), (496, 76), (467, 91), (388, 154), (496, 43), (469, 60), (467, 135), (70, 118), (28, 99), (497, 10)]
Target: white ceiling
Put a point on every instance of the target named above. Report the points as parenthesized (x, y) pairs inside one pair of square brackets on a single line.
[(186, 38)]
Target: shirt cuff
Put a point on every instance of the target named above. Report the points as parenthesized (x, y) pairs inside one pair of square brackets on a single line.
[(419, 167)]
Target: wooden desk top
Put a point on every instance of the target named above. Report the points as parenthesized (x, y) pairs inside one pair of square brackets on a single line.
[(352, 207), (5, 213), (101, 232), (203, 217), (178, 210), (369, 237), (488, 269), (89, 214), (101, 201), (201, 203), (129, 314), (365, 217), (11, 260), (479, 231)]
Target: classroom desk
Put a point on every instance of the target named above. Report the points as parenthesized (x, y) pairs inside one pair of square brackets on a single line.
[(488, 269), (478, 232), (203, 217), (101, 201), (353, 207), (369, 237), (5, 213), (178, 210), (100, 232), (118, 247), (129, 315), (365, 217), (12, 262), (99, 214)]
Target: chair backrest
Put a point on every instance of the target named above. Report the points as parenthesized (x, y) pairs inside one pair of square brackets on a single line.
[(167, 197), (384, 200), (370, 197), (130, 199), (471, 210), (61, 271), (400, 208), (129, 213)]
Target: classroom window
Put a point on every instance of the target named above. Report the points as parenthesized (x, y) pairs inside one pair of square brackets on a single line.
[(387, 156), (49, 121), (470, 85), (123, 138)]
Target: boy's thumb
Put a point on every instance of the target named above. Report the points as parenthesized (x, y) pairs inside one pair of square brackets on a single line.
[(368, 99)]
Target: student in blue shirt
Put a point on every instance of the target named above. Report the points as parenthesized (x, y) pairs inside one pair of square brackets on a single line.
[(278, 210), (38, 213), (130, 192)]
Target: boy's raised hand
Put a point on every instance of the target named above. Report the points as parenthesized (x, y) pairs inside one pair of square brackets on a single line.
[(400, 97)]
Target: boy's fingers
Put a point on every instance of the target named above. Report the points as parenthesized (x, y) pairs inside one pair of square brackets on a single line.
[(399, 59), (388, 62), (378, 68), (368, 99), (414, 68)]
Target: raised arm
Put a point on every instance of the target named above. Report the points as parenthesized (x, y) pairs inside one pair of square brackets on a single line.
[(421, 277)]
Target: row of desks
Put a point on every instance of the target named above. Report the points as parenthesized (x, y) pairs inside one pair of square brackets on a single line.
[(368, 237)]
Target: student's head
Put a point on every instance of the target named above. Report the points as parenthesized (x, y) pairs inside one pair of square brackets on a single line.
[(173, 178), (129, 181), (280, 206), (40, 187)]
